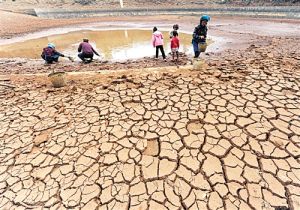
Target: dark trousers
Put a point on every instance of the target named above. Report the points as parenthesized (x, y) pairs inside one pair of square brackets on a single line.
[(196, 48), (51, 59), (84, 56), (161, 47)]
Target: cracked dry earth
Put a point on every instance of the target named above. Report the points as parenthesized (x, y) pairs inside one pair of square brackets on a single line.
[(227, 137)]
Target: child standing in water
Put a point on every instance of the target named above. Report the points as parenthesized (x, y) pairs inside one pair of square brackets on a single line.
[(175, 28), (175, 45), (158, 43)]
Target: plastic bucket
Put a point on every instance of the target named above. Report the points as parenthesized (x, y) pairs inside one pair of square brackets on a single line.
[(202, 46), (57, 79)]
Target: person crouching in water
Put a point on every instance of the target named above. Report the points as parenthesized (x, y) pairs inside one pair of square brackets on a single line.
[(50, 55), (175, 45), (199, 34), (158, 43), (86, 51)]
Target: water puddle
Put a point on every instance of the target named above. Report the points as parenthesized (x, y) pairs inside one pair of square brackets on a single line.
[(112, 44)]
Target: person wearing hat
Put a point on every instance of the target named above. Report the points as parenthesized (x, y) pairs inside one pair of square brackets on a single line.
[(199, 34), (175, 28), (86, 51), (50, 55)]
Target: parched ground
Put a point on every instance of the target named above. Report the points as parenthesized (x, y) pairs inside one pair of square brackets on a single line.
[(227, 137), (223, 136)]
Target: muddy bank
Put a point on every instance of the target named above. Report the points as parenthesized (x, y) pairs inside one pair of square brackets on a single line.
[(228, 64), (227, 33), (236, 38), (231, 36), (25, 66)]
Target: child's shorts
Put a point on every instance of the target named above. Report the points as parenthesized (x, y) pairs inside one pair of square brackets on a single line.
[(174, 49)]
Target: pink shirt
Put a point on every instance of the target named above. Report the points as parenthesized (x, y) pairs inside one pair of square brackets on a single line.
[(157, 39)]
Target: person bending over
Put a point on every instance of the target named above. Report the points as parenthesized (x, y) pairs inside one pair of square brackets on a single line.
[(50, 55), (86, 51)]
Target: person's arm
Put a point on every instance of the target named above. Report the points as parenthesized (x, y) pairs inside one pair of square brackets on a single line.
[(58, 53), (195, 33), (178, 43), (205, 33), (95, 51), (153, 40), (80, 48)]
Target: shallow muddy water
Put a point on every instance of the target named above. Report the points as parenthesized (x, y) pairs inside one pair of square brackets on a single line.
[(111, 44)]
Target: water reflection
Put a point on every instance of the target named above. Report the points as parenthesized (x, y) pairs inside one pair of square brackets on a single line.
[(112, 44)]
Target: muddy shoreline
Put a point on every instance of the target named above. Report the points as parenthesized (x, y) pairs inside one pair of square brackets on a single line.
[(229, 35)]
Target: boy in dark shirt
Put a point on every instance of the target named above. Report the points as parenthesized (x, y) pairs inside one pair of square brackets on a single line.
[(199, 35)]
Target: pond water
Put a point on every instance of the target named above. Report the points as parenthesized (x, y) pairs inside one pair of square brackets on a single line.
[(111, 44)]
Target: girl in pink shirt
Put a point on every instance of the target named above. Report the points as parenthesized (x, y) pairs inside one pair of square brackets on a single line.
[(158, 43)]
